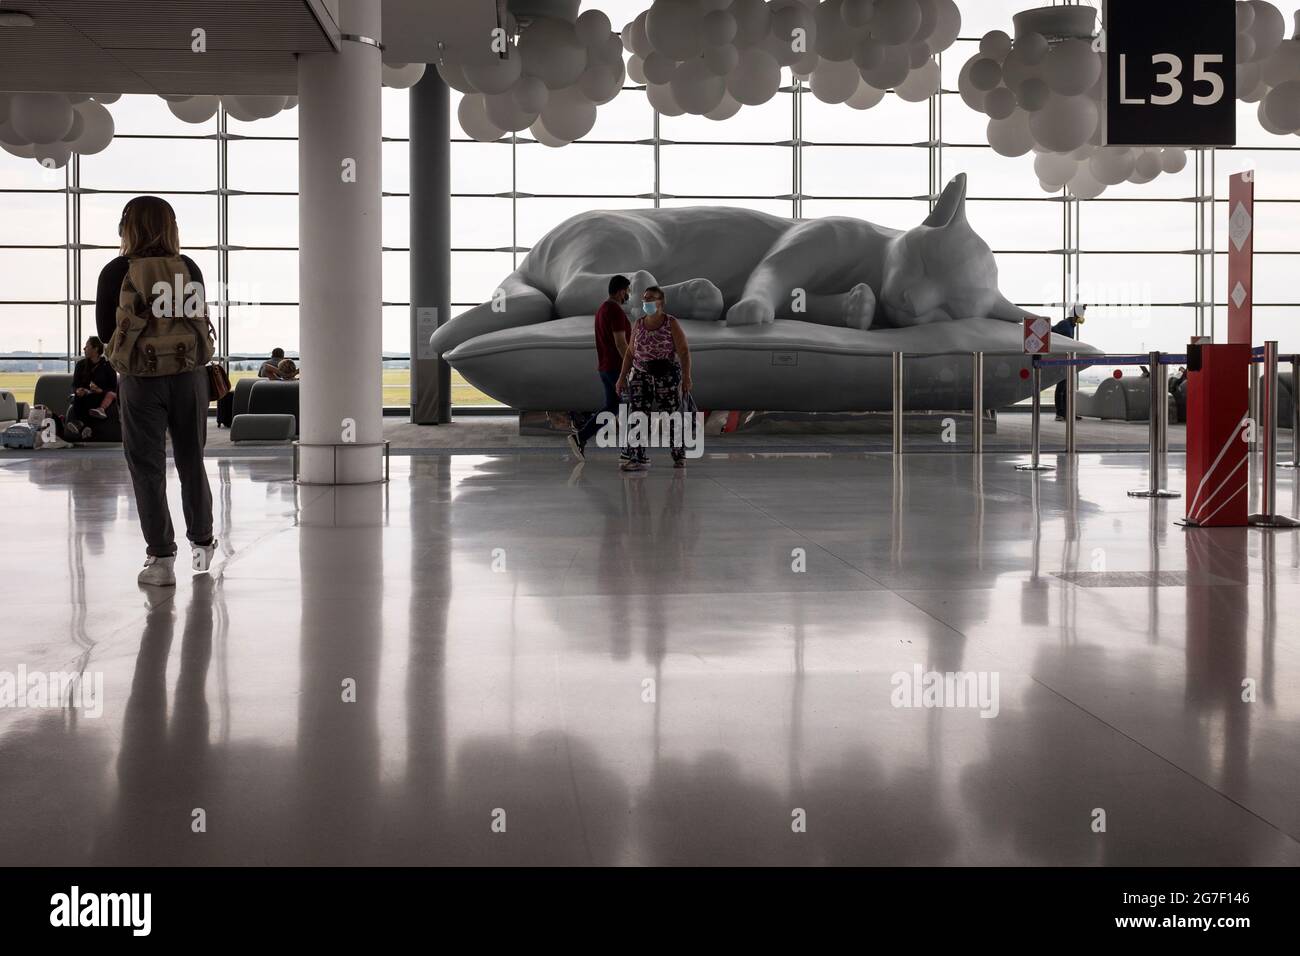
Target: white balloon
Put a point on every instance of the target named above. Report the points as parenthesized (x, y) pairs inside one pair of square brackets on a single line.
[(490, 73), (971, 95), (1072, 68), (896, 21), (721, 59), (78, 127), (472, 114), (1268, 29), (235, 109), (1065, 123), (261, 106), (674, 28), (402, 76), (568, 114), (1033, 94), (503, 112), (1245, 16), (892, 70), (724, 110), (545, 137), (1010, 136), (999, 103), (865, 97), (601, 82), (719, 28), (454, 76), (5, 100), (52, 155), (834, 81), (99, 128), (40, 117), (697, 89), (625, 37), (1084, 185), (917, 54), (1281, 66), (755, 79), (530, 94), (196, 109), (947, 26), (1173, 160), (21, 150), (923, 83), (1055, 169), (636, 69), (552, 52), (996, 44), (857, 14), (658, 68), (641, 45), (789, 17), (834, 39), (1147, 167), (1282, 107), (1245, 48), (753, 20), (609, 50), (985, 73), (1250, 83), (661, 98), (929, 21), (868, 53), (106, 98), (1112, 165), (593, 27), (1033, 47)]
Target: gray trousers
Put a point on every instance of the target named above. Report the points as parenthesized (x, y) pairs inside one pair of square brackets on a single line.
[(151, 408)]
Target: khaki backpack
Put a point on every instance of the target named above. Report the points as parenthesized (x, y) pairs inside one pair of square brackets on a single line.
[(154, 336)]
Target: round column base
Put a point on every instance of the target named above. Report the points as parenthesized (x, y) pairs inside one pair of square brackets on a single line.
[(350, 463)]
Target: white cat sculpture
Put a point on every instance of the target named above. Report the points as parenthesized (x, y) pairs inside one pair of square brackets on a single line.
[(781, 314)]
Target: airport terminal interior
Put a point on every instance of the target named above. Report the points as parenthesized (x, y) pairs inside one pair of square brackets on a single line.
[(968, 538)]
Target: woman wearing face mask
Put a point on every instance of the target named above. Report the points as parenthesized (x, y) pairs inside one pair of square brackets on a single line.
[(656, 373)]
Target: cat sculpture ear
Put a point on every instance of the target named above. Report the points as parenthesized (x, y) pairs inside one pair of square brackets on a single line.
[(949, 212), (951, 207)]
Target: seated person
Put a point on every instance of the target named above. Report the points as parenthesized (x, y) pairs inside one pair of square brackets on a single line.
[(271, 368), (286, 370), (94, 390)]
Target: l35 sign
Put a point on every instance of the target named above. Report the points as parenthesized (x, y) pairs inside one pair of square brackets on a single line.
[(1171, 72)]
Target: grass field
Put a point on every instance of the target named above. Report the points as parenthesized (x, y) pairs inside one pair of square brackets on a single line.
[(397, 387)]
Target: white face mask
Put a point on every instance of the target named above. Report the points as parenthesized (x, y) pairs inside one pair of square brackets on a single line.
[(649, 308)]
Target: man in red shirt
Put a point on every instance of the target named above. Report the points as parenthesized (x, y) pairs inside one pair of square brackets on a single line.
[(612, 329)]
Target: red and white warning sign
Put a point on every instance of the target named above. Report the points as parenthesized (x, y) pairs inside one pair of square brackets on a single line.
[(1241, 252), (1038, 336)]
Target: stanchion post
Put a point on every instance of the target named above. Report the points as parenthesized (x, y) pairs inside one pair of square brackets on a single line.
[(1253, 407), (1036, 424), (1295, 415), (1071, 388), (1159, 408), (1267, 425), (898, 402), (977, 402)]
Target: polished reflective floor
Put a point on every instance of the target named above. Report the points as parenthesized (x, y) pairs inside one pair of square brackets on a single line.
[(504, 660)]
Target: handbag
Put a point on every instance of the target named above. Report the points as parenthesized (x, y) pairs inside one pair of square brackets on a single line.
[(218, 382)]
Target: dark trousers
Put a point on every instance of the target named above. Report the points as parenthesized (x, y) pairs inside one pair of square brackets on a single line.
[(151, 409), (1060, 399), (592, 426)]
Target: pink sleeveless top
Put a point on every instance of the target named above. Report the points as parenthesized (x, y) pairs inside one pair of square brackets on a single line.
[(651, 344)]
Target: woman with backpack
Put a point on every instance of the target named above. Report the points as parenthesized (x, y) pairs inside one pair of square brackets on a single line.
[(150, 311)]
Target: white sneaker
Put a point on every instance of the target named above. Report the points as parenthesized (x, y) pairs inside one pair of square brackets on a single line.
[(201, 556), (159, 572)]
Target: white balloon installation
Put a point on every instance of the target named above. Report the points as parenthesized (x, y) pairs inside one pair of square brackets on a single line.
[(50, 127), (849, 51), (550, 79), (1044, 96)]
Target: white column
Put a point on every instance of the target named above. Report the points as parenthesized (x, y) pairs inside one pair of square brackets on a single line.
[(340, 265)]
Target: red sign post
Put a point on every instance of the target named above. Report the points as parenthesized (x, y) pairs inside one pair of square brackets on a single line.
[(1241, 250)]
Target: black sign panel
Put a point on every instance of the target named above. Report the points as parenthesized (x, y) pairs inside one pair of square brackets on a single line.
[(1171, 70)]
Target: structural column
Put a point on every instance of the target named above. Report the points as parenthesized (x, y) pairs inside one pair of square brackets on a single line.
[(430, 205), (340, 262)]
